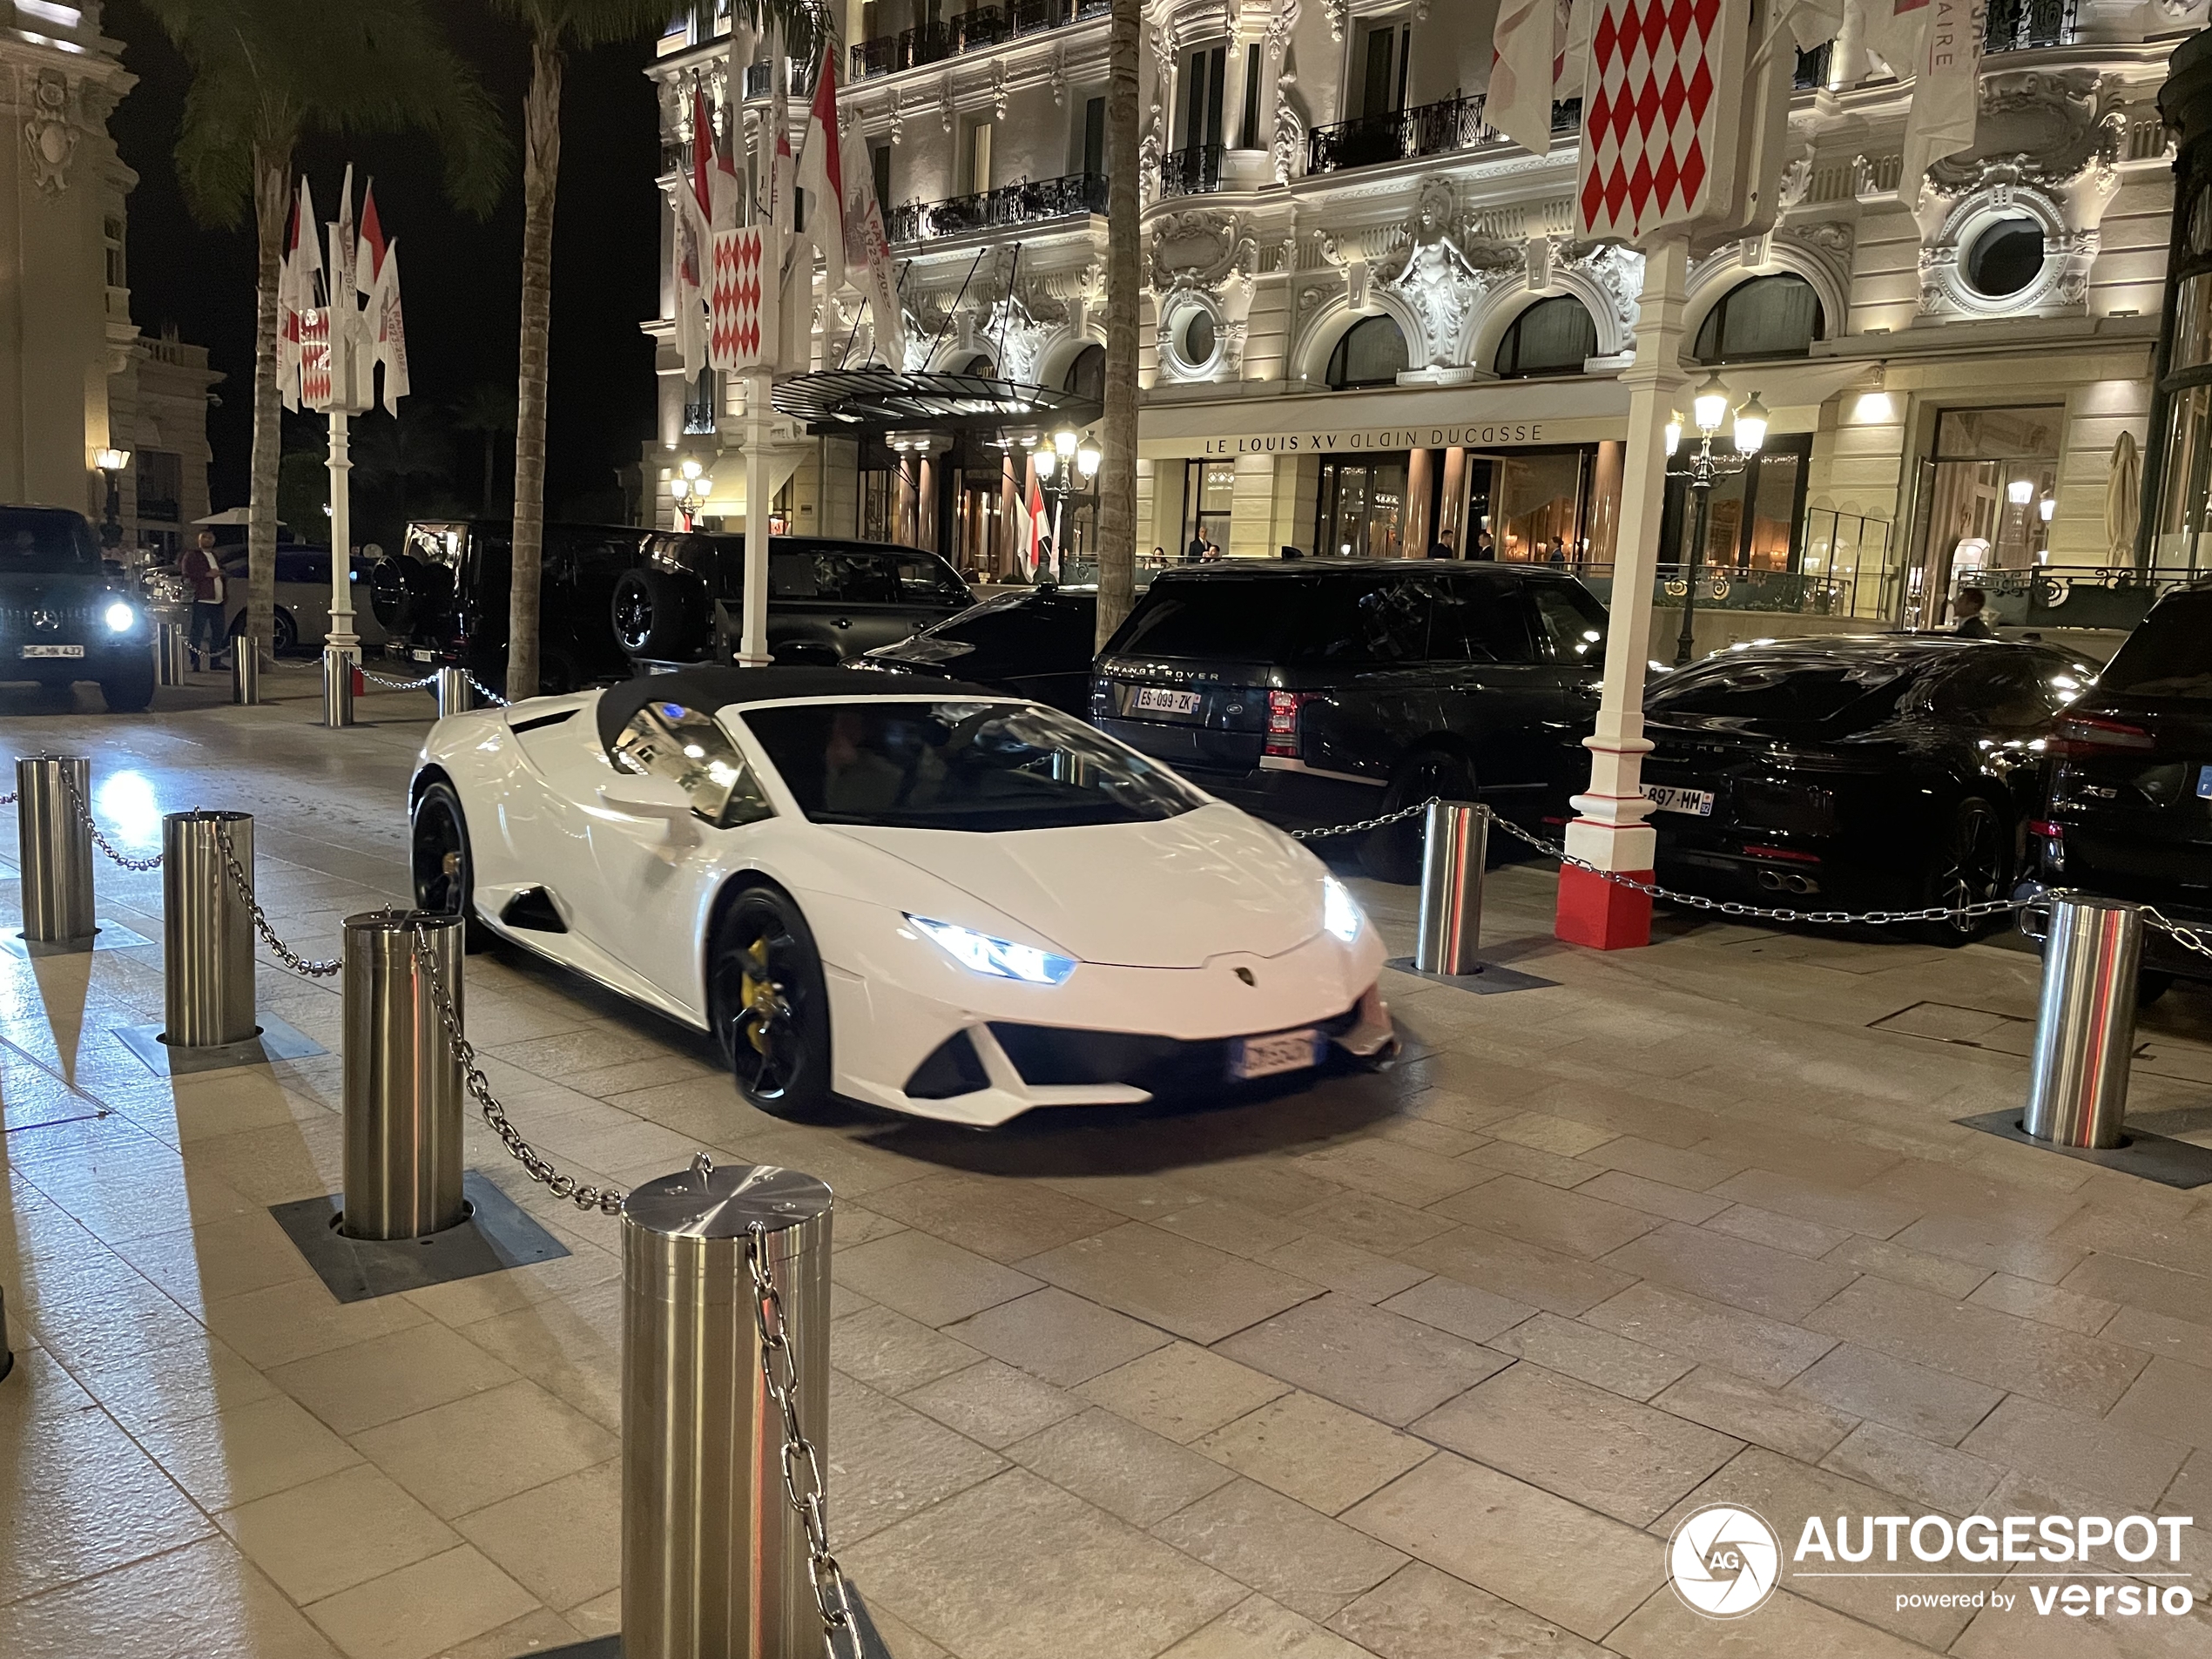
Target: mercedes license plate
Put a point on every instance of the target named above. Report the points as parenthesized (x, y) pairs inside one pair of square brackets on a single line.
[(53, 650), (1251, 1057), (1698, 802), (1156, 699)]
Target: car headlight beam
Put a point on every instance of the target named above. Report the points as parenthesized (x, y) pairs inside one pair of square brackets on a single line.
[(1339, 910), (997, 958), (119, 617)]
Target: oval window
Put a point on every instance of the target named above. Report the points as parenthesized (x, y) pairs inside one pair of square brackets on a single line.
[(2005, 257), (1199, 339)]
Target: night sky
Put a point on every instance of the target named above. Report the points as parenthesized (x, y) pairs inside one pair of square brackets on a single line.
[(461, 276)]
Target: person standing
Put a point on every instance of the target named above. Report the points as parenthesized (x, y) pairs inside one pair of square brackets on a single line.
[(1972, 624), (1196, 553), (205, 572), (1484, 547), (1441, 547)]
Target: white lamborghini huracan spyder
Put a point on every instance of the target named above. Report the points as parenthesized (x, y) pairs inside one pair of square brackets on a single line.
[(936, 900)]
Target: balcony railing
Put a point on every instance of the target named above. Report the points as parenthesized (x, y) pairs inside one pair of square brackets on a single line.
[(1812, 68), (1030, 202), (975, 30), (2015, 25), (802, 79), (1425, 130), (1194, 171)]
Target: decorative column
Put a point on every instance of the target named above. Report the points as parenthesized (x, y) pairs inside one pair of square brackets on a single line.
[(752, 648), (1420, 485), (1608, 831)]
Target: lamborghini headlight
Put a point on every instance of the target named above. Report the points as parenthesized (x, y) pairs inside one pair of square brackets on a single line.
[(1339, 910), (1000, 958)]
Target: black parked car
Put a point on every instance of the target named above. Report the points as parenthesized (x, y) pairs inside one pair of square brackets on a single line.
[(827, 600), (1035, 643), (1325, 691), (66, 614), (2131, 793), (445, 601), (1855, 772)]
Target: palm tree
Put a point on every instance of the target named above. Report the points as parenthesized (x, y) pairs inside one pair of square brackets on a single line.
[(489, 411), (265, 74), (1117, 474)]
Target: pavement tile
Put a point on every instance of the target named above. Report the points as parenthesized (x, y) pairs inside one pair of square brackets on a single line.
[(328, 1535), (483, 1447), (1663, 1627), (1516, 1268), (1509, 1538), (888, 1461), (1181, 1391), (1619, 1458), (561, 1541), (1314, 1450), (1561, 1135), (992, 1403), (1419, 1613), (2045, 1303), (1198, 1292), (2172, 1399), (886, 1350), (1932, 1404), (1770, 1417), (423, 1608), (1654, 1197), (1534, 1164), (1404, 1174), (1626, 1368), (1460, 1309), (927, 1279), (1888, 1260), (1992, 1244), (1336, 1265), (1258, 1628), (1127, 1470), (1380, 1363), (2182, 1339), (1751, 1276), (374, 1382), (1371, 1222), (1566, 1222), (1764, 1350), (1058, 1337), (1003, 1219), (140, 1611), (1676, 1167), (2143, 1284), (1790, 1233), (1300, 1557)]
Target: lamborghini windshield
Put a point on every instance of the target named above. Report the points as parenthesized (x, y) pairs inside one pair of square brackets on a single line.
[(960, 765)]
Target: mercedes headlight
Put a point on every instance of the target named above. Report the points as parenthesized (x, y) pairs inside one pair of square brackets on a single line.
[(999, 958), (1339, 910), (119, 617)]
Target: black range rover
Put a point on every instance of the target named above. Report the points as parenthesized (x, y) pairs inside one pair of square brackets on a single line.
[(65, 614), (1325, 691), (2130, 814)]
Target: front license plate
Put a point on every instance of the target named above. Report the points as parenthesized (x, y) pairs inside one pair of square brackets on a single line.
[(423, 656), (1698, 802), (1154, 699), (1265, 1056), (53, 650)]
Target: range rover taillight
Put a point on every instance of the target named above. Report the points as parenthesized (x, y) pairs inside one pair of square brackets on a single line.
[(1282, 724), (2089, 734)]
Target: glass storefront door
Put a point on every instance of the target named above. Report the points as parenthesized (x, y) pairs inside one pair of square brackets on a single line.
[(1362, 508), (1983, 495), (1536, 505)]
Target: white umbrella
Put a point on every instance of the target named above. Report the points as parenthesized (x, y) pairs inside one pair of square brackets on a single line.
[(2123, 500), (229, 515)]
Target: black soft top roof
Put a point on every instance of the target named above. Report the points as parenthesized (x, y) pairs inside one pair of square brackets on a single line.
[(714, 688)]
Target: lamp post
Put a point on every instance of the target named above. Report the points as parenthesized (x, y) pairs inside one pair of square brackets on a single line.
[(1059, 467), (1708, 409), (112, 463), (683, 487)]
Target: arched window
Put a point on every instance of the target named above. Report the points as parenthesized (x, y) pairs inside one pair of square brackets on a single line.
[(1768, 316), (979, 364), (1086, 376), (1552, 337), (1372, 352)]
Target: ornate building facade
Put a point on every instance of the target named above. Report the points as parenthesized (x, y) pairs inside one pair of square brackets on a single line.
[(76, 375), (1368, 328)]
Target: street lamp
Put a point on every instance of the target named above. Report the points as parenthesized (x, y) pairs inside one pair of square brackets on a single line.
[(1067, 464), (679, 490), (112, 463), (1708, 408)]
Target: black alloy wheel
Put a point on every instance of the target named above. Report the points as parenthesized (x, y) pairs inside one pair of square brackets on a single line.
[(444, 874), (769, 1005), (660, 614), (1973, 865), (1394, 853)]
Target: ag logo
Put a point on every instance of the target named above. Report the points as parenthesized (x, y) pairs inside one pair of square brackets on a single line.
[(1723, 1561)]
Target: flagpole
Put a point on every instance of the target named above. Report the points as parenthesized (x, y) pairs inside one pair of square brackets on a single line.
[(342, 646)]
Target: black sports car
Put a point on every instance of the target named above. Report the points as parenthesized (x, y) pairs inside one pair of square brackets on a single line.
[(2131, 794), (1849, 773)]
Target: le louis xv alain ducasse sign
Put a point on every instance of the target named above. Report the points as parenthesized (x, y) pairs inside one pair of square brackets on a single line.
[(1469, 435)]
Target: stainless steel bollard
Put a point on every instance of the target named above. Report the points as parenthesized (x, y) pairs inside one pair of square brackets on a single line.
[(172, 660), (2085, 1022), (54, 846), (207, 931), (246, 670), (402, 1082), (456, 695), (338, 669), (1457, 841), (714, 1561)]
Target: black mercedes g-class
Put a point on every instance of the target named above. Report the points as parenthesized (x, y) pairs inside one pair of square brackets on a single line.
[(827, 599), (66, 614)]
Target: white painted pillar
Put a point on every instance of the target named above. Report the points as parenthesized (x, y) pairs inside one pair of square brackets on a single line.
[(752, 650), (1609, 828)]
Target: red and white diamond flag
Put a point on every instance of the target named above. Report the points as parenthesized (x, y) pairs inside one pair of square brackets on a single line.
[(741, 301), (1652, 124)]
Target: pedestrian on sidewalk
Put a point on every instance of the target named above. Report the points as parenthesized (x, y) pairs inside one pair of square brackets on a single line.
[(205, 572)]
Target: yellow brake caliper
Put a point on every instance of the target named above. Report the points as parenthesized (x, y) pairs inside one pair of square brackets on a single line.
[(759, 994)]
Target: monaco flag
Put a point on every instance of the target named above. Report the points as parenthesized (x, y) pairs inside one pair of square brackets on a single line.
[(303, 340), (845, 218)]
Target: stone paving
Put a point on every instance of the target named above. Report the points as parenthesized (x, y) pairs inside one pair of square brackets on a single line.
[(1424, 1366)]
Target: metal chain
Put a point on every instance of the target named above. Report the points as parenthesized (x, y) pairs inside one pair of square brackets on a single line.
[(9, 799), (151, 861), (1762, 913), (485, 691), (606, 1200), (283, 953), (426, 681), (1364, 823), (2182, 935), (779, 1374)]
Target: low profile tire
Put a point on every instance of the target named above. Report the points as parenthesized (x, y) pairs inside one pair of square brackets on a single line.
[(658, 613), (1394, 853), (287, 633), (445, 876), (1969, 867), (129, 692), (770, 1006)]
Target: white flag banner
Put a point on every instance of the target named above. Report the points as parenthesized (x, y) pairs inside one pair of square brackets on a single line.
[(1810, 23), (694, 219), (389, 328), (300, 335), (867, 254), (1937, 45), (822, 167), (1527, 40)]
